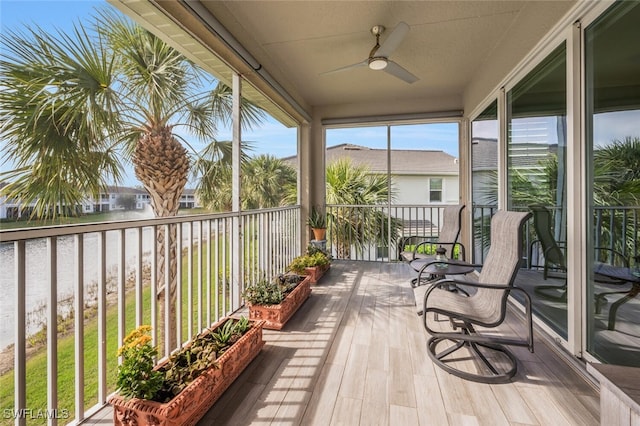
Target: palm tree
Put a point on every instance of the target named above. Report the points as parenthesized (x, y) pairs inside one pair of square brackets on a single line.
[(617, 173), (73, 103), (617, 183), (355, 185), (58, 108), (266, 180)]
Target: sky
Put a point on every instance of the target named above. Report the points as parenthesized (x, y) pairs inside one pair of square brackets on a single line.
[(272, 137)]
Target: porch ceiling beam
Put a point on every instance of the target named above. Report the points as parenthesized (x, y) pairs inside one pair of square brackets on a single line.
[(392, 118)]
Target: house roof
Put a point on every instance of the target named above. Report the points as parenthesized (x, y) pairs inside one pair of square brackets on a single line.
[(403, 161), (114, 189)]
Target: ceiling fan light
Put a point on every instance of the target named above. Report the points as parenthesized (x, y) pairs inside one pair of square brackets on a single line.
[(378, 63)]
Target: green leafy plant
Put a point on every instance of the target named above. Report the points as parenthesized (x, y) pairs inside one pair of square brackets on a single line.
[(266, 292), (229, 333), (317, 219), (317, 258), (136, 376), (430, 249)]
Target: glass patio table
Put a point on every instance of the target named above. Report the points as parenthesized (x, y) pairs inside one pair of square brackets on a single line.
[(436, 270)]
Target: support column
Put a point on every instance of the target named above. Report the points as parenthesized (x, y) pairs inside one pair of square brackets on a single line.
[(304, 182), (317, 167), (464, 170), (236, 236)]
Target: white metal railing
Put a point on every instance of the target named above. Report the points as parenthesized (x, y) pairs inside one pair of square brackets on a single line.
[(111, 269), (376, 232), (616, 228)]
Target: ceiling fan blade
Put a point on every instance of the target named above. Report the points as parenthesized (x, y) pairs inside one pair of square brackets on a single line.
[(394, 39), (397, 71), (348, 67)]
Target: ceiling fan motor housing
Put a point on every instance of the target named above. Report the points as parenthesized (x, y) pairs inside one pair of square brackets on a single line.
[(376, 30)]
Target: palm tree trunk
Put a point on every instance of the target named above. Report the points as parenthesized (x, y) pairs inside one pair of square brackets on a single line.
[(162, 165)]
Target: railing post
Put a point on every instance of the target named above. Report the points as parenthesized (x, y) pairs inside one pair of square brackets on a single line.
[(121, 286), (190, 280), (52, 329), (20, 353), (179, 283), (102, 317), (139, 266), (154, 286), (79, 327)]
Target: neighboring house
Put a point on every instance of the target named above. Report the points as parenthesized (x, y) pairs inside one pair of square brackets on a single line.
[(119, 197), (189, 200), (3, 202), (417, 176)]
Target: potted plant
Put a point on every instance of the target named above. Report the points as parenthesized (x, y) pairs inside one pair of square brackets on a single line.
[(318, 223), (181, 388), (314, 263), (277, 300)]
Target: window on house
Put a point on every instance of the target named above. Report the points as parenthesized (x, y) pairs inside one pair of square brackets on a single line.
[(435, 190)]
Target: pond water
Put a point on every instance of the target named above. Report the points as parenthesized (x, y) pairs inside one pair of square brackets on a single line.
[(37, 285)]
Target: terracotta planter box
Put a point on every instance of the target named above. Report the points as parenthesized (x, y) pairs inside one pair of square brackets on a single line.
[(276, 316), (194, 401), (316, 272)]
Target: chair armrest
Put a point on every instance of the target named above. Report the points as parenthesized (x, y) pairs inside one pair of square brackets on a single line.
[(614, 253), (447, 262), (508, 288)]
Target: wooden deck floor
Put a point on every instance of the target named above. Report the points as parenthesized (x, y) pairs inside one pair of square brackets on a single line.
[(355, 354)]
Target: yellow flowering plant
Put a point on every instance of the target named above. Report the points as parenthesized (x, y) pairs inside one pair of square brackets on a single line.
[(136, 377)]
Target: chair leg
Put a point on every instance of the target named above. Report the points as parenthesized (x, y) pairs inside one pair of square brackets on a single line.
[(542, 290), (601, 299), (635, 290), (494, 374)]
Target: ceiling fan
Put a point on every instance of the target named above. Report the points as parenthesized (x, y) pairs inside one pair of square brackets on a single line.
[(378, 59)]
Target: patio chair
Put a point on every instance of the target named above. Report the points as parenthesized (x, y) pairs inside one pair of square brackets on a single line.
[(447, 237), (554, 259), (612, 271), (484, 304)]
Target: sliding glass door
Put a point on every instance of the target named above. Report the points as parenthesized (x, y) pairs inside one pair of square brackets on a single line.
[(612, 64), (536, 180)]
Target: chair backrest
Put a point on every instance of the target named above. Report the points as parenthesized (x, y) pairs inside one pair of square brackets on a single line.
[(451, 224), (502, 262), (542, 222)]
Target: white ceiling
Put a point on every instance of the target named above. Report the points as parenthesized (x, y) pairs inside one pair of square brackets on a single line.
[(448, 45)]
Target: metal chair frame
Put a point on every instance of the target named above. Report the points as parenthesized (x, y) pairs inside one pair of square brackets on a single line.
[(464, 318)]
